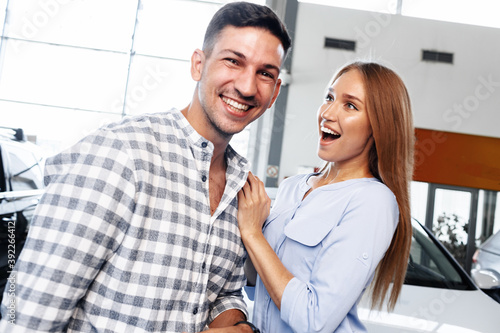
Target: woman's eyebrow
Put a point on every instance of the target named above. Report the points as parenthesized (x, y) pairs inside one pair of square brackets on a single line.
[(345, 96), (348, 96)]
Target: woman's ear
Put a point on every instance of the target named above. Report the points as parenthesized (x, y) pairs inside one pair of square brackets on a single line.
[(197, 62)]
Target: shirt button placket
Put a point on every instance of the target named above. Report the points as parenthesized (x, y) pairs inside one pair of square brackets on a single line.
[(204, 144)]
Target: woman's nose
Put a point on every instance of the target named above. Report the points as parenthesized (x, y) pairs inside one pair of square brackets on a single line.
[(329, 111)]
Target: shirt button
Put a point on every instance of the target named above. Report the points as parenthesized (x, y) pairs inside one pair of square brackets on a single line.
[(365, 255), (203, 178), (195, 311), (204, 144), (203, 266)]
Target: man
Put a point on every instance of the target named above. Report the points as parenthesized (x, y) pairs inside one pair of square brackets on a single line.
[(137, 230)]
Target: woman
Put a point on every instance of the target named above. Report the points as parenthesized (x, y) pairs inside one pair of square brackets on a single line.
[(331, 233)]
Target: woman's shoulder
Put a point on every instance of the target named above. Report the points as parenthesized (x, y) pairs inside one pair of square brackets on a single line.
[(291, 189), (296, 183), (370, 188), (300, 180)]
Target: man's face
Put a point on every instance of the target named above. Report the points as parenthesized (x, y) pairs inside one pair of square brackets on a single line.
[(238, 81)]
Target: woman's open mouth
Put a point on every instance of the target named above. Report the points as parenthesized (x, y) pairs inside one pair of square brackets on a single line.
[(328, 135)]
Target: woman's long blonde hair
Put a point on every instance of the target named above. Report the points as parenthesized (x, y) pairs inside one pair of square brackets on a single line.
[(391, 161)]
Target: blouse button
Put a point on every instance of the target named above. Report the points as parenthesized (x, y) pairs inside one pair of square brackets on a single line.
[(204, 144), (203, 178), (365, 255)]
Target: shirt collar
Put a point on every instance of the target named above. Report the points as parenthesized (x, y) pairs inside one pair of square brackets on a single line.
[(234, 159)]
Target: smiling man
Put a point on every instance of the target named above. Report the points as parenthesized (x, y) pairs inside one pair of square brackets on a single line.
[(137, 230)]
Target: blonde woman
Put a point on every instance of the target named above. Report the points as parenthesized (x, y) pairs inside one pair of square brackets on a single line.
[(331, 234)]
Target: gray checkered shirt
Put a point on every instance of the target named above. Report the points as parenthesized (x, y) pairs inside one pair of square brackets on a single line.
[(123, 239)]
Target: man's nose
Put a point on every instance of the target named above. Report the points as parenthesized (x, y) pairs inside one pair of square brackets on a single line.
[(246, 84)]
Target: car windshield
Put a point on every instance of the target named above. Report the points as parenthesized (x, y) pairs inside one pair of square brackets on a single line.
[(431, 266)]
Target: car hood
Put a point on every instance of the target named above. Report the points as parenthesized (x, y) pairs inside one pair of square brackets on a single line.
[(422, 309)]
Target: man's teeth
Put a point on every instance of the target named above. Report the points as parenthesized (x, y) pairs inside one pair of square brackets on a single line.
[(234, 104), (329, 131)]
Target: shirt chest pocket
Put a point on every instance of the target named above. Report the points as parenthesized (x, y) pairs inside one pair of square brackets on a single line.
[(304, 240)]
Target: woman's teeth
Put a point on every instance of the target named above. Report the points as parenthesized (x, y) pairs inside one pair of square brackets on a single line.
[(235, 105), (329, 131)]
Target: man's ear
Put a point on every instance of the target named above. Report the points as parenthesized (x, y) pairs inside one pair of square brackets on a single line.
[(276, 93), (197, 63)]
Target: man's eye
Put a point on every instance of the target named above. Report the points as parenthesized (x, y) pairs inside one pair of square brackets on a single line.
[(232, 61), (267, 74)]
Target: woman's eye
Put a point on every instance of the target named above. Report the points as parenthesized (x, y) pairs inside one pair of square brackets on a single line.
[(329, 98), (351, 106)]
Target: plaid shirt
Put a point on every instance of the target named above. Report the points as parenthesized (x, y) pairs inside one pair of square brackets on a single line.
[(123, 239)]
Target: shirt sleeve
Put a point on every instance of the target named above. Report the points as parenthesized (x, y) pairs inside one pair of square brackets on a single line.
[(341, 259), (79, 222), (231, 295)]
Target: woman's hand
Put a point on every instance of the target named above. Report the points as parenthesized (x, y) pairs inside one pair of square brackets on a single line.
[(253, 206), (253, 209)]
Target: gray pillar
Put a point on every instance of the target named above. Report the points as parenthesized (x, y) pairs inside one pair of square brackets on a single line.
[(287, 10)]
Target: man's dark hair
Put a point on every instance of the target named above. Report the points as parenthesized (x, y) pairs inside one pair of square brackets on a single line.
[(245, 14)]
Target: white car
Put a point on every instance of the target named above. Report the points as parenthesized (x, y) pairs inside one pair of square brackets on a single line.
[(438, 296), (21, 186), (486, 266)]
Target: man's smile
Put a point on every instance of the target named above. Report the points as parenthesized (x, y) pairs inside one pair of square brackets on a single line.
[(234, 105)]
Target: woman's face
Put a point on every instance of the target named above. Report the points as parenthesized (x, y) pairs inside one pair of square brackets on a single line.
[(344, 128)]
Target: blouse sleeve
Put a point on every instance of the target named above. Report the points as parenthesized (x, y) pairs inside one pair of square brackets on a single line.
[(341, 246)]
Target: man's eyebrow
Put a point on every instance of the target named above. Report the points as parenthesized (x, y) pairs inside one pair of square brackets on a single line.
[(242, 56), (271, 66), (236, 53)]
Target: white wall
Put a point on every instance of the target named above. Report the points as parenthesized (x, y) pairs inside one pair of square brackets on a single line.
[(463, 97)]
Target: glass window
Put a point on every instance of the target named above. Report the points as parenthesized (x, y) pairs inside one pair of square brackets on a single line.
[(91, 23), (55, 128), (62, 76), (157, 84), (3, 7), (68, 66), (488, 220), (164, 30), (451, 221), (419, 200)]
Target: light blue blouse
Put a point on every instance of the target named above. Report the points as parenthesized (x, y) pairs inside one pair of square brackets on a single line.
[(331, 242)]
